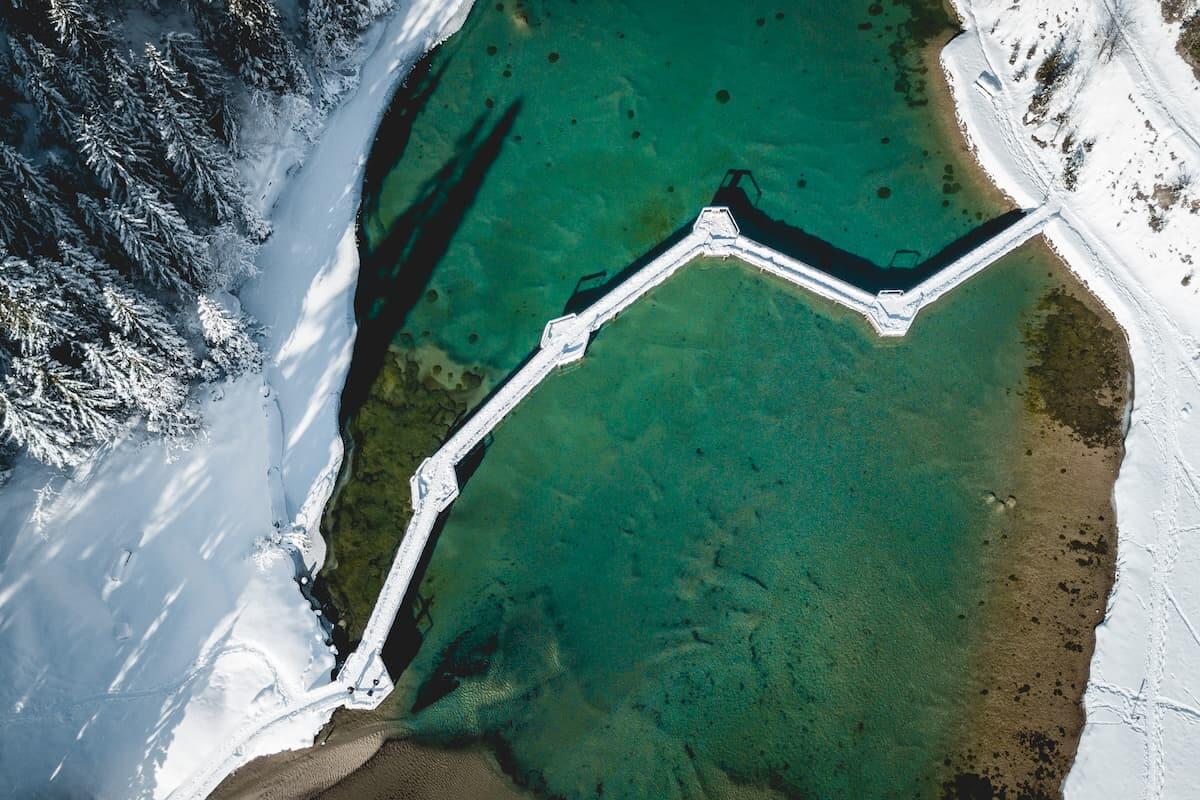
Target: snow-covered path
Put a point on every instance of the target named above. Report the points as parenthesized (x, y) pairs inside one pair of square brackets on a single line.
[(305, 294), (1138, 113)]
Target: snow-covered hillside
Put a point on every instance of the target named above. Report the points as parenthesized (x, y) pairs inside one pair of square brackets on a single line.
[(1088, 101), (139, 631)]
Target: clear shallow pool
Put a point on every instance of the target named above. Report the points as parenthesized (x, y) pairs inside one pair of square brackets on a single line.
[(732, 547)]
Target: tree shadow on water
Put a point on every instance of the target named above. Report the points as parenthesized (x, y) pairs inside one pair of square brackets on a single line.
[(394, 273), (395, 129)]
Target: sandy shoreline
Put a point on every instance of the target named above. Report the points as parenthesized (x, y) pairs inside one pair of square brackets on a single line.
[(1053, 555), (1034, 663), (362, 762), (307, 772), (945, 115), (1024, 733), (1139, 739)]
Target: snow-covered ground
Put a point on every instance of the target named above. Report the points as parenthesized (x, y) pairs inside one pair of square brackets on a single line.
[(1130, 229), (137, 632)]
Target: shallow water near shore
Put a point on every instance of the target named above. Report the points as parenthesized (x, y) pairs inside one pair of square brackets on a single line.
[(742, 549)]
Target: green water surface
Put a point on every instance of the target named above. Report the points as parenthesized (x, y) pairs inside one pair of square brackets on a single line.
[(549, 141), (739, 545), (737, 551)]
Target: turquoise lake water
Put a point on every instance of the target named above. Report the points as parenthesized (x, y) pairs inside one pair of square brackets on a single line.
[(732, 547), (596, 129), (728, 554)]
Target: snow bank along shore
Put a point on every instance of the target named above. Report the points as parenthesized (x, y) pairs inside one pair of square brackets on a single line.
[(139, 630), (1116, 147)]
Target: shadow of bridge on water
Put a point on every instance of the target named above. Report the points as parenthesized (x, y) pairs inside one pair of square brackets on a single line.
[(740, 193)]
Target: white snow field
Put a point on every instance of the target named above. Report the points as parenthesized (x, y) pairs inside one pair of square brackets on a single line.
[(137, 632), (1130, 229)]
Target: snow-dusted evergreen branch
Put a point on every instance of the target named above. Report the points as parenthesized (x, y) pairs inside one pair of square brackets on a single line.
[(124, 219)]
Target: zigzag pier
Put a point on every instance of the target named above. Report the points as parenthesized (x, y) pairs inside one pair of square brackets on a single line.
[(363, 681)]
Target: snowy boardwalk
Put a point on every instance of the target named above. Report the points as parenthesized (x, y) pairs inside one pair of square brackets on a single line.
[(363, 681)]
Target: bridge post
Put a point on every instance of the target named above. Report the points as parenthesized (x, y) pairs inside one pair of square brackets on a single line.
[(893, 312), (366, 679), (716, 223), (569, 335), (434, 482)]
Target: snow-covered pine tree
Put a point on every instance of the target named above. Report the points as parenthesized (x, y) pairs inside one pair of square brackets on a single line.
[(26, 422), (199, 160), (145, 322), (80, 301), (166, 81), (116, 223), (95, 220), (12, 222), (84, 274), (78, 277), (127, 107), (187, 250), (232, 256), (209, 82), (332, 28), (148, 363), (248, 34), (119, 168), (55, 114), (268, 59), (48, 215), (79, 31), (33, 316), (76, 402), (23, 320), (141, 365), (74, 77), (30, 208), (156, 239), (231, 350), (146, 382), (106, 302), (23, 183)]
